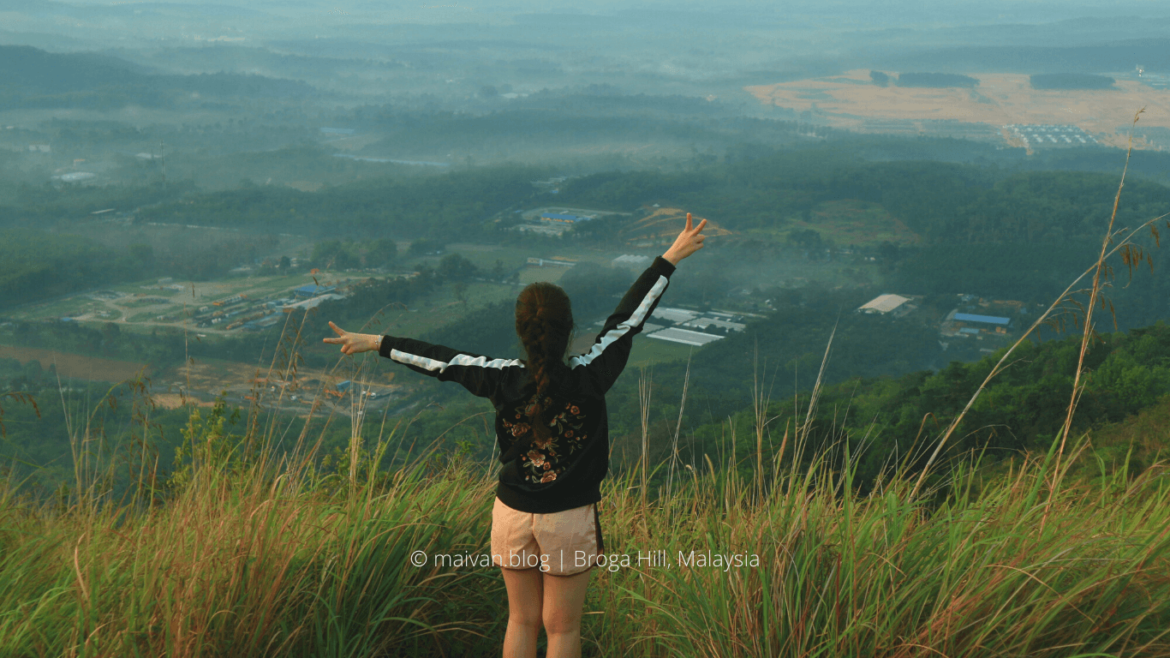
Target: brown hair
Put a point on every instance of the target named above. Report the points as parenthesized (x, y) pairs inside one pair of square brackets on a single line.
[(544, 322)]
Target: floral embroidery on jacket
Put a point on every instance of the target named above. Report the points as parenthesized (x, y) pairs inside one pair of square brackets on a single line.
[(547, 458)]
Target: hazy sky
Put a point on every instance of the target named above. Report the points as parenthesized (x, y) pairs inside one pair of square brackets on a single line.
[(906, 11)]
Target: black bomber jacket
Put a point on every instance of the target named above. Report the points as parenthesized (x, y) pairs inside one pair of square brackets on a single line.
[(565, 471)]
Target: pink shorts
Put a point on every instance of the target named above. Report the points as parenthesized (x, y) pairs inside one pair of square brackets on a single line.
[(560, 544)]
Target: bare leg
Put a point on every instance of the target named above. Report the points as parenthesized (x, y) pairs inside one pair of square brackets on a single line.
[(525, 600), (564, 600)]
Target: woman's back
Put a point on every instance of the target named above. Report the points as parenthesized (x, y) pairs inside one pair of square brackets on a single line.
[(563, 468)]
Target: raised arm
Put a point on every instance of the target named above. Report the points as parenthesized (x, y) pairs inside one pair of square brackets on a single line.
[(607, 358)]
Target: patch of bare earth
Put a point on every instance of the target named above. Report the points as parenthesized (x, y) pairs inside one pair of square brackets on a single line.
[(851, 100)]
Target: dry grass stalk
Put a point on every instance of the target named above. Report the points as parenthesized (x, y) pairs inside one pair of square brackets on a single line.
[(1078, 388), (678, 428), (645, 384)]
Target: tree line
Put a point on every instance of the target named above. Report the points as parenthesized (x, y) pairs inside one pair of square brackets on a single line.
[(887, 418)]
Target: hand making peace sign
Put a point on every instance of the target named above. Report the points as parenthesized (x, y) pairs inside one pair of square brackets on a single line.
[(687, 242), (353, 343)]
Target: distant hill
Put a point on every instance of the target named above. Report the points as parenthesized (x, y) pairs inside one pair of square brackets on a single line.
[(33, 78), (30, 70), (1154, 54)]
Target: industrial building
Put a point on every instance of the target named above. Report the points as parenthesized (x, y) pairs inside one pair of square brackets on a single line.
[(552, 229), (1050, 135), (629, 260), (706, 323), (685, 336), (564, 217), (553, 262), (991, 320), (674, 315), (683, 325), (967, 325), (887, 304)]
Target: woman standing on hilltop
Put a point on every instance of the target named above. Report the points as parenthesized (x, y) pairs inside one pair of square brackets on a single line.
[(552, 430)]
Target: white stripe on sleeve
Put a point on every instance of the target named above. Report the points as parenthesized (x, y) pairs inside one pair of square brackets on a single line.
[(624, 328), (459, 360)]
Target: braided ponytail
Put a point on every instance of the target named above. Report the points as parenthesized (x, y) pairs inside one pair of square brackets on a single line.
[(544, 322)]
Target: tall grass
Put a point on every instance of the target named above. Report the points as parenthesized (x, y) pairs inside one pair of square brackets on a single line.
[(274, 561)]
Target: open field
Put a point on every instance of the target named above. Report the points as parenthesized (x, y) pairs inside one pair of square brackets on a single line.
[(78, 366), (647, 352), (852, 101)]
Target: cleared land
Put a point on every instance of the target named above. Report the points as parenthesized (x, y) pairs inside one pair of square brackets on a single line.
[(174, 401), (853, 101), (662, 226), (77, 366)]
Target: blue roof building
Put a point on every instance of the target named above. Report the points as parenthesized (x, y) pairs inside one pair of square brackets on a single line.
[(313, 290), (984, 319)]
